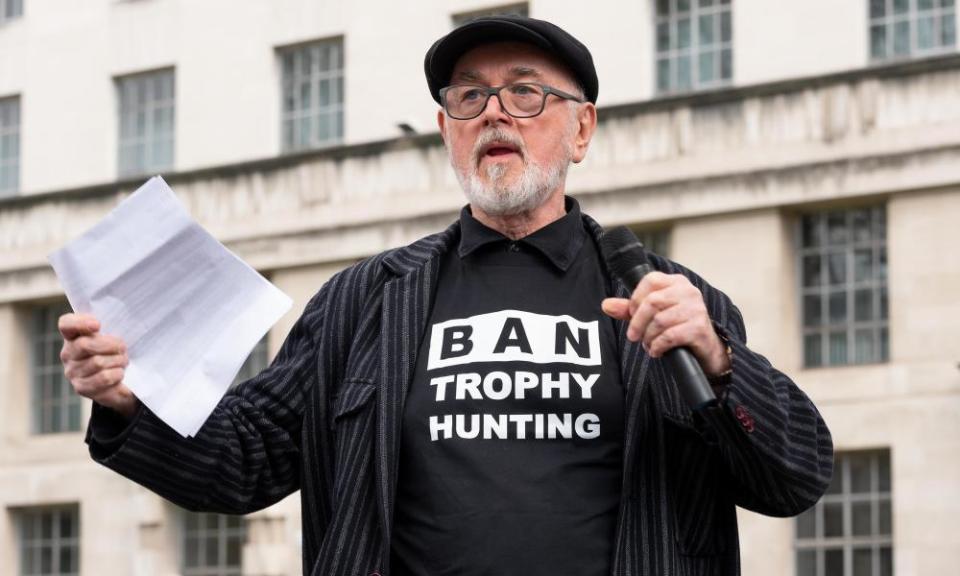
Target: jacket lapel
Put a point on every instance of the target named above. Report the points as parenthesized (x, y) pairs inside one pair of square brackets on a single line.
[(407, 300)]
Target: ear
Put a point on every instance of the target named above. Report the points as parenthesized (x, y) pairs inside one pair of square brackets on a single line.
[(441, 123), (587, 125)]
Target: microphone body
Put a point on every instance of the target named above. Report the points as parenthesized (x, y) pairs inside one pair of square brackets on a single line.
[(627, 259)]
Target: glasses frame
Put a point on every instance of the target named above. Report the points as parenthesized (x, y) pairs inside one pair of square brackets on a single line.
[(495, 91)]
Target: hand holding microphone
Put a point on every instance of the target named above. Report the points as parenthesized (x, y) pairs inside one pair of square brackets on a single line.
[(667, 314)]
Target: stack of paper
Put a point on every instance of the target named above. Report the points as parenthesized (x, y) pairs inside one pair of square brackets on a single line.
[(188, 309)]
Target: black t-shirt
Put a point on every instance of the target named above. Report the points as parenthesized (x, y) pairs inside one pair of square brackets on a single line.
[(511, 455)]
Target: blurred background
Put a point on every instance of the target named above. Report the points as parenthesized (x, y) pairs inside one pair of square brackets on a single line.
[(802, 155)]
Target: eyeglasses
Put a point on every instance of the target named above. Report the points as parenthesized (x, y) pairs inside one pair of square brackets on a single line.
[(521, 100)]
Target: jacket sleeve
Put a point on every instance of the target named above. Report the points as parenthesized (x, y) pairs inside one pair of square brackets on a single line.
[(247, 454), (775, 444)]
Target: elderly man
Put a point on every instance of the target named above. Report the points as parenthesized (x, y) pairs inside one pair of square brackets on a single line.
[(477, 403)]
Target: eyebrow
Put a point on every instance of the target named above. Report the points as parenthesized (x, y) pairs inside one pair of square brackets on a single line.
[(515, 72)]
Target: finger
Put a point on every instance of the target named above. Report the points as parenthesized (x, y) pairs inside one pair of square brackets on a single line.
[(87, 346), (652, 282), (90, 366), (661, 321), (618, 308), (74, 325), (651, 305), (668, 339), (98, 383)]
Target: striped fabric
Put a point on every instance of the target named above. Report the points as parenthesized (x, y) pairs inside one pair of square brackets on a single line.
[(325, 418)]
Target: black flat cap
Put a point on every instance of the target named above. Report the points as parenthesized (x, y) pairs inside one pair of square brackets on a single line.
[(443, 55)]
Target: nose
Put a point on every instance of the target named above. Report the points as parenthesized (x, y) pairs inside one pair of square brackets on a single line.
[(493, 111)]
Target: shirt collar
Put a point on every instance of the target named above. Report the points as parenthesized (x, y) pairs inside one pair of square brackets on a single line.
[(559, 241)]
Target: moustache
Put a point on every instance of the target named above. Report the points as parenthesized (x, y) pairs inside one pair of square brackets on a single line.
[(498, 135)]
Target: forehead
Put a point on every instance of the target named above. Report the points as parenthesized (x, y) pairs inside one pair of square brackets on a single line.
[(506, 61)]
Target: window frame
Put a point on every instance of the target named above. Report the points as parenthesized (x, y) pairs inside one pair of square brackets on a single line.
[(152, 138), (49, 386), (877, 284), (694, 51), (842, 494), (56, 543), (12, 106), (912, 17), (334, 111), (222, 532), (14, 14)]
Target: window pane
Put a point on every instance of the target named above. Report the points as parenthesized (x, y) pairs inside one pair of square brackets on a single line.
[(810, 231), (925, 33), (860, 471), (838, 307), (807, 563), (837, 268), (862, 518), (878, 41), (726, 64), (884, 519), (866, 346), (812, 350), (663, 36), (812, 313), (683, 5), (663, 7), (706, 26), (837, 228), (948, 31), (707, 68), (925, 4), (683, 33), (901, 6), (832, 520), (833, 563), (663, 74), (807, 524), (863, 562), (811, 270), (901, 38), (863, 265), (886, 562), (838, 348), (863, 305), (684, 77), (726, 27), (883, 476)]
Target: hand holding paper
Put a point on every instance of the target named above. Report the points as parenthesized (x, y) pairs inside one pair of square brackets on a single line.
[(188, 310)]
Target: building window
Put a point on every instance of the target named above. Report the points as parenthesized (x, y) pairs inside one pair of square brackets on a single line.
[(9, 145), (312, 114), (694, 40), (49, 541), (654, 240), (509, 10), (56, 407), (849, 532), (255, 362), (10, 9), (906, 28), (147, 107), (843, 269), (212, 544)]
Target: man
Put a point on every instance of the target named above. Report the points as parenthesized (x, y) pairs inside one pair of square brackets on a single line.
[(476, 403)]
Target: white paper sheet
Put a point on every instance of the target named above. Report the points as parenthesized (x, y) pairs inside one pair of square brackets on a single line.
[(188, 309)]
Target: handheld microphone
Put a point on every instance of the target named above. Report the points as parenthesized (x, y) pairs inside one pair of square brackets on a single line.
[(627, 259)]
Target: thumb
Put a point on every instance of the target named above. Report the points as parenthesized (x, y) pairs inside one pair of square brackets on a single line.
[(73, 325), (618, 308)]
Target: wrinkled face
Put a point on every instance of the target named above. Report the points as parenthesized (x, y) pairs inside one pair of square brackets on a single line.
[(510, 165)]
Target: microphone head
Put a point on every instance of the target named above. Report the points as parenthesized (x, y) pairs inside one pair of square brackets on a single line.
[(622, 251)]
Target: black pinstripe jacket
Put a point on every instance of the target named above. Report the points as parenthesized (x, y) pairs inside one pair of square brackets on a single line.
[(325, 418)]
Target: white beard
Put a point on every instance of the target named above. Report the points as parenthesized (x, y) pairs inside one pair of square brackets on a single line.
[(498, 197)]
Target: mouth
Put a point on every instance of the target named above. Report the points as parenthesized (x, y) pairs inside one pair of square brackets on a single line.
[(499, 150)]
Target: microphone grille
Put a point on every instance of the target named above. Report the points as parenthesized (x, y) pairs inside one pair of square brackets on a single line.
[(622, 250)]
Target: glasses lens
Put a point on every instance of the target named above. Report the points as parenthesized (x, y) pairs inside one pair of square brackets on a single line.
[(465, 101), (522, 100)]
